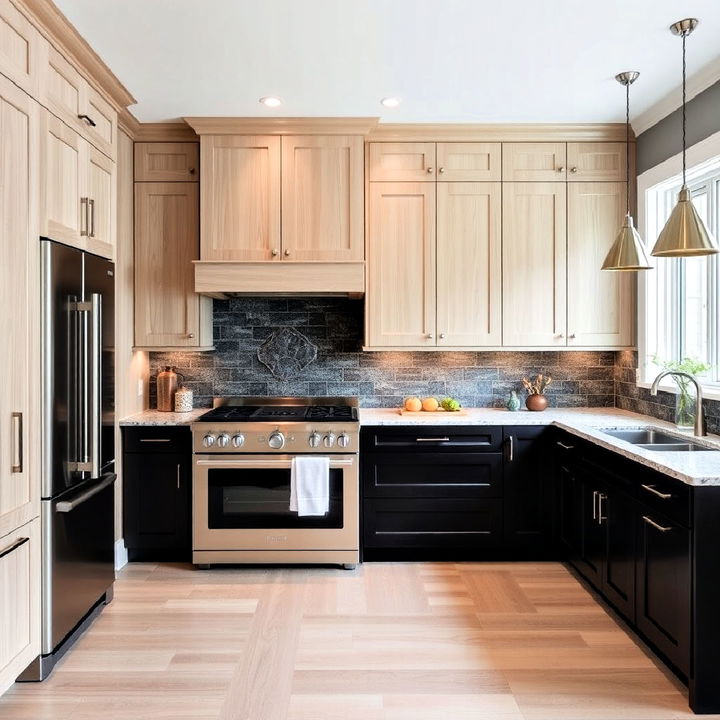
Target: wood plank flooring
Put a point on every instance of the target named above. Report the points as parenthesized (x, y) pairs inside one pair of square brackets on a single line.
[(426, 641)]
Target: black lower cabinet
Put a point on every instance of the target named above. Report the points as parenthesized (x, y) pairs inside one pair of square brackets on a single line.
[(157, 493)]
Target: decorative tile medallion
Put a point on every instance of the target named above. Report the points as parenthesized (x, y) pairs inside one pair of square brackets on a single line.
[(286, 352)]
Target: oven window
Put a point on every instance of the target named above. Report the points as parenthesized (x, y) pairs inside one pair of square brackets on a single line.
[(260, 498)]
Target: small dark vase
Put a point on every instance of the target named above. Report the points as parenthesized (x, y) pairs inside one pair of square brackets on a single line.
[(536, 403)]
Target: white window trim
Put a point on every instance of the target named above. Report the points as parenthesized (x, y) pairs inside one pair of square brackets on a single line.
[(702, 152)]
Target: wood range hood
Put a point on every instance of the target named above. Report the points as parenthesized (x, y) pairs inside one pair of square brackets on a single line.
[(281, 206)]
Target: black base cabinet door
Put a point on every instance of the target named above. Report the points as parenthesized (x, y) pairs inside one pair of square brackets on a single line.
[(619, 513), (663, 587), (569, 494), (157, 493)]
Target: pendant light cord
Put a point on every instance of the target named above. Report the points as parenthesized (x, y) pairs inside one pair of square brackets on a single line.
[(684, 118), (627, 147)]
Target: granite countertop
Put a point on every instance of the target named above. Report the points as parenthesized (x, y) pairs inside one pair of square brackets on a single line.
[(693, 468), (156, 417)]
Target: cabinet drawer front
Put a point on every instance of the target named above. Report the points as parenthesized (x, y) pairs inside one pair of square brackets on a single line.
[(167, 162), (468, 162), (103, 134), (542, 162), (433, 523), (434, 438), (424, 475), (150, 439), (666, 495), (401, 162)]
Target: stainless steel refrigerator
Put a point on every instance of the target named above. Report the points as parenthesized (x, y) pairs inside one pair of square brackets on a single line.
[(78, 447)]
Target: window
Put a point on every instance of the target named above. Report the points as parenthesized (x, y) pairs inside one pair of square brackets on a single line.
[(682, 295)]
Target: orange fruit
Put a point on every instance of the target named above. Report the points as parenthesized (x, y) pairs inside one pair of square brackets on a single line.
[(430, 404), (413, 404)]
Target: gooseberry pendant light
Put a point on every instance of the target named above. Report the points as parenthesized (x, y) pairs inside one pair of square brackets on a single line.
[(628, 250), (684, 234)]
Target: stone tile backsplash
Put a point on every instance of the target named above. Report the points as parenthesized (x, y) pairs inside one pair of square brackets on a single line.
[(379, 379)]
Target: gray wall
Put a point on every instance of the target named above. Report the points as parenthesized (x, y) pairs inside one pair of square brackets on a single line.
[(664, 139)]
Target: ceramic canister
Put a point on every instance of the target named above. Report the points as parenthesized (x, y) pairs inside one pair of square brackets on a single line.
[(183, 399)]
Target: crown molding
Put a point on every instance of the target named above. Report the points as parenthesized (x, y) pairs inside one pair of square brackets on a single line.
[(510, 132), (281, 125), (128, 123), (57, 29), (165, 132)]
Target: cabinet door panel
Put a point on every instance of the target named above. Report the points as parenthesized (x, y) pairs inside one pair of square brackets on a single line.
[(469, 271), (619, 570), (402, 162), (600, 303), (166, 243), (101, 192), (400, 303), (19, 298), (322, 198), (596, 161), (592, 550), (167, 162), (542, 162), (64, 90), (468, 162), (240, 208), (534, 264), (19, 46), (103, 134)]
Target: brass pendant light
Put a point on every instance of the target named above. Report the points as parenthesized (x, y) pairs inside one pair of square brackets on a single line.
[(684, 234), (628, 250)]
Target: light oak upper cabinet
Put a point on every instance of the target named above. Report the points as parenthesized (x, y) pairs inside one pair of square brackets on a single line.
[(599, 303), (240, 199), (168, 313), (322, 198), (469, 271), (20, 48), (19, 296), (543, 162), (595, 161), (402, 162), (534, 264), (167, 162), (468, 162), (401, 265), (101, 191)]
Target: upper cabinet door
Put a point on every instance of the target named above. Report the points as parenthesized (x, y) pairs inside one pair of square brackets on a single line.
[(459, 162), (166, 243), (167, 162), (400, 303), (594, 161), (534, 162), (64, 89), (322, 198), (100, 192), (469, 272), (402, 161), (19, 48), (100, 123), (240, 201), (534, 264), (600, 303)]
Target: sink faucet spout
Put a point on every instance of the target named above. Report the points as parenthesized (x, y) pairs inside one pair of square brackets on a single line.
[(700, 429)]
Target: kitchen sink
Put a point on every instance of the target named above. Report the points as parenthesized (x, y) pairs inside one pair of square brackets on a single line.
[(652, 439)]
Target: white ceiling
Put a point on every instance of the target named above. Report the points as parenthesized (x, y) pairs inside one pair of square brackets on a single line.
[(449, 60)]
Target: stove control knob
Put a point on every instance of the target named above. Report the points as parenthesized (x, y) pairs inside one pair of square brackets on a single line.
[(343, 440), (314, 440), (276, 440), (208, 440), (238, 440), (329, 440), (223, 440)]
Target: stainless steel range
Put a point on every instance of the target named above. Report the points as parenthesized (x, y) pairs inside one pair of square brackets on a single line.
[(243, 451)]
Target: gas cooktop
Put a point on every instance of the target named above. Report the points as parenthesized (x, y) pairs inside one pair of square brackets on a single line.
[(282, 410)]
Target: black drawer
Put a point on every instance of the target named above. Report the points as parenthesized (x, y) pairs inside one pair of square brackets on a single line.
[(666, 495), (432, 475), (433, 524), (157, 439), (432, 438)]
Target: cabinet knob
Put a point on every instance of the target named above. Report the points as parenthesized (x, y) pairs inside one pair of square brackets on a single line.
[(287, 252), (441, 170), (430, 171), (561, 169), (191, 171), (572, 337), (559, 335), (430, 336), (191, 335), (275, 252), (573, 169), (442, 336)]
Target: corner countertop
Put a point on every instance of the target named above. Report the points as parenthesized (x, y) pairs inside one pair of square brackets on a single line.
[(156, 417), (693, 468)]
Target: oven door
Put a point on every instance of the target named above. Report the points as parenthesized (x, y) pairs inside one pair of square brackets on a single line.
[(242, 502)]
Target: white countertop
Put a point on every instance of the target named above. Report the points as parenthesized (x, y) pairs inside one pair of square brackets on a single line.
[(693, 468)]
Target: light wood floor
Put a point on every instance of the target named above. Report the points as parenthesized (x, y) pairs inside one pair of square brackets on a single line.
[(490, 641)]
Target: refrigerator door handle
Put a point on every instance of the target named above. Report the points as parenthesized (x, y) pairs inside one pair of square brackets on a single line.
[(67, 506), (95, 384)]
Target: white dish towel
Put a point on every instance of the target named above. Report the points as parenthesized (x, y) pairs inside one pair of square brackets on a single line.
[(310, 485)]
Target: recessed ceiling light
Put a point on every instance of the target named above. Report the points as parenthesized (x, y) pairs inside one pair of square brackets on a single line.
[(390, 102), (271, 101)]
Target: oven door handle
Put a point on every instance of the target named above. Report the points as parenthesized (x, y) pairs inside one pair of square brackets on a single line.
[(345, 462)]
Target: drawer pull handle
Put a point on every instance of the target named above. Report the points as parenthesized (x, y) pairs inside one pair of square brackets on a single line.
[(437, 439), (155, 440), (651, 489), (433, 532), (18, 543), (178, 476), (655, 525), (564, 446), (88, 120)]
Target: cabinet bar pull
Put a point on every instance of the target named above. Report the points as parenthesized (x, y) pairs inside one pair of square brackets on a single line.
[(651, 489), (511, 448), (88, 120), (91, 204), (601, 497), (655, 525), (564, 446), (18, 543), (155, 440), (432, 532), (437, 439), (178, 476), (17, 451), (595, 494), (84, 208)]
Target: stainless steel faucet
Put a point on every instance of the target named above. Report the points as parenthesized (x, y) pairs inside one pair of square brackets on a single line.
[(700, 430)]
